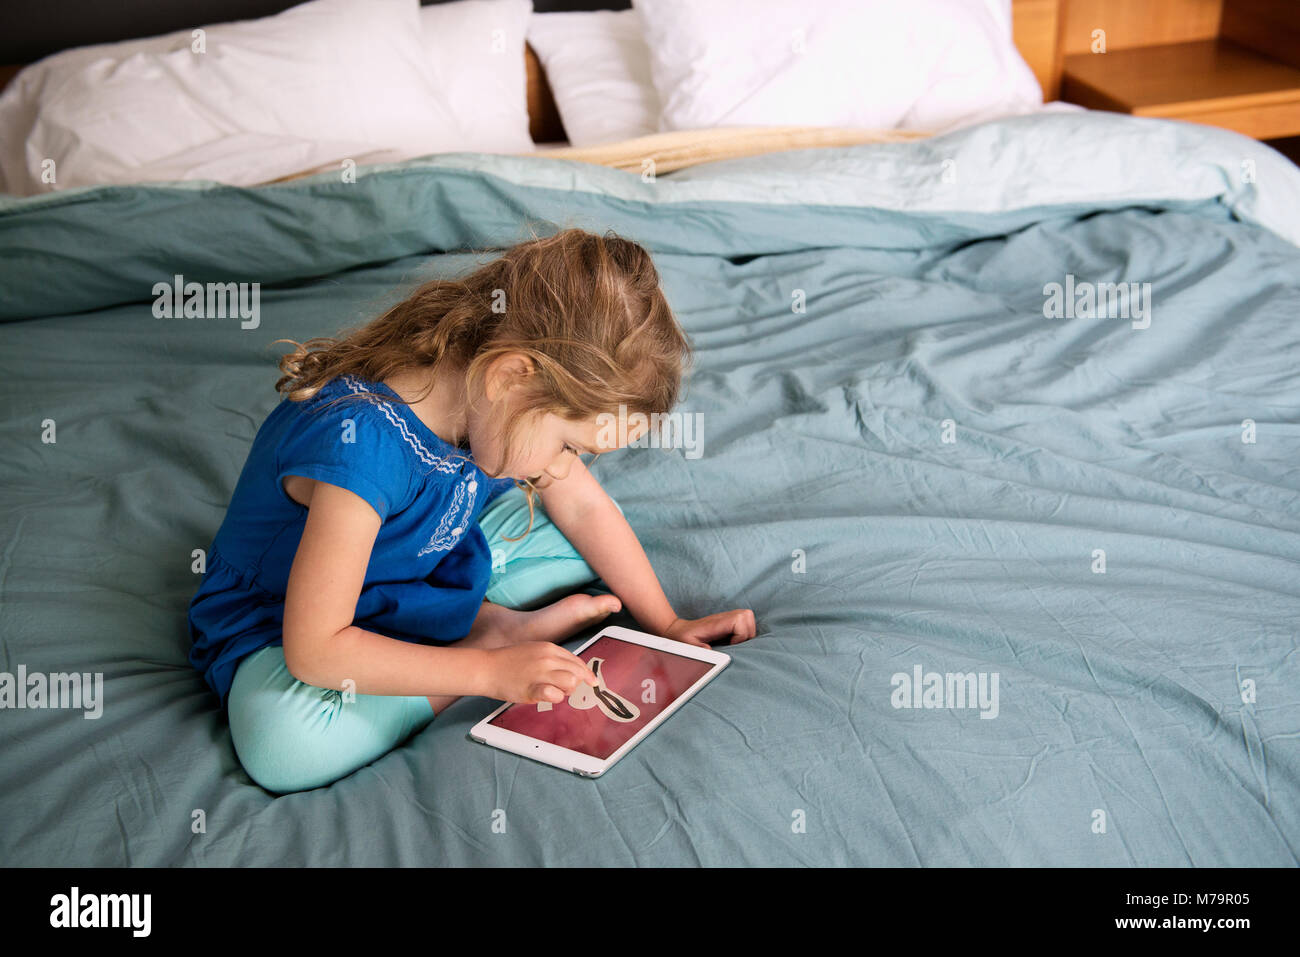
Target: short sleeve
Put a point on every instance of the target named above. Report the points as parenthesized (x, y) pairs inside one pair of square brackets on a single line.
[(348, 444)]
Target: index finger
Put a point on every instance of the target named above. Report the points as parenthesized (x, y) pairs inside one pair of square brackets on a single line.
[(584, 671)]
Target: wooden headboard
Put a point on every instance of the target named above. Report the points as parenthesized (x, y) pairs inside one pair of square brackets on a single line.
[(35, 28)]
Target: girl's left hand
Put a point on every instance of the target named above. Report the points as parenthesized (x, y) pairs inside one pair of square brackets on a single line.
[(737, 623)]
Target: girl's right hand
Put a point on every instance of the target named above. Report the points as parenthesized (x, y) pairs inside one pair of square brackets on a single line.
[(532, 672)]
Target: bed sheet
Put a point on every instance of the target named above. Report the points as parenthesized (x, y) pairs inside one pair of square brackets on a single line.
[(910, 467)]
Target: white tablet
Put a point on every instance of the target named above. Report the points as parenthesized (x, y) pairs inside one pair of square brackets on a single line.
[(641, 679)]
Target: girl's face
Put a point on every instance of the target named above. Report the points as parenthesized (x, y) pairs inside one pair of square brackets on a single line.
[(547, 445), (547, 448), (551, 445)]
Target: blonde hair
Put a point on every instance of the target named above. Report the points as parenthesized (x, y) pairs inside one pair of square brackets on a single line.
[(586, 309)]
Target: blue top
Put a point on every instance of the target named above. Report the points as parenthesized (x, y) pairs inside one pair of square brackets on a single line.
[(430, 565)]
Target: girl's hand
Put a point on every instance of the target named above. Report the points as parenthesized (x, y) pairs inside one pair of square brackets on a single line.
[(737, 623), (534, 671)]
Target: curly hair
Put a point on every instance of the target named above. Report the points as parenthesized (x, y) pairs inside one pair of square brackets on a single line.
[(587, 310)]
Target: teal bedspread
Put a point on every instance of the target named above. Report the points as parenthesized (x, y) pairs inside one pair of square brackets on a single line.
[(909, 467)]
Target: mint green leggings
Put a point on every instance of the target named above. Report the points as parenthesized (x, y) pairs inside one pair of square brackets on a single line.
[(291, 736)]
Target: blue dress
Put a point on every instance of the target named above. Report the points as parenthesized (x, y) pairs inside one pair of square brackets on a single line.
[(430, 565)]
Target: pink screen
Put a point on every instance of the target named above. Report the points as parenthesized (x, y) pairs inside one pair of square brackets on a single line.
[(634, 684)]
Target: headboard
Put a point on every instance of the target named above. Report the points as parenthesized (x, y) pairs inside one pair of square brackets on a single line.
[(37, 28)]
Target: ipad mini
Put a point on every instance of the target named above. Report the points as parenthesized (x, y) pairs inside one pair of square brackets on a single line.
[(641, 680)]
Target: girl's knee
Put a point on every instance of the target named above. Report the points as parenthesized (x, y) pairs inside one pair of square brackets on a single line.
[(538, 568), (291, 736), (277, 748)]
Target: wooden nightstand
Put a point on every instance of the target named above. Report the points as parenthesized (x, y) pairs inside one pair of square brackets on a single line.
[(1229, 63)]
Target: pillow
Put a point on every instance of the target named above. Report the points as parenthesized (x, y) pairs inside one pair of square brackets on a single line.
[(321, 82), (475, 49), (598, 67), (920, 64)]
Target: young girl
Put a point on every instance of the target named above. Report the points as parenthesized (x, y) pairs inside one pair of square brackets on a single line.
[(343, 605)]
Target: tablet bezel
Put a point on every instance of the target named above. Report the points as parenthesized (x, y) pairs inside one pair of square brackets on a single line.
[(484, 732)]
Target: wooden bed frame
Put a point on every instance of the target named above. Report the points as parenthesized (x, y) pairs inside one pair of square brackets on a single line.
[(1037, 29)]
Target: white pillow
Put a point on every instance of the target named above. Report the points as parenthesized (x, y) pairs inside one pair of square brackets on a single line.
[(915, 64), (324, 81), (475, 49), (598, 67)]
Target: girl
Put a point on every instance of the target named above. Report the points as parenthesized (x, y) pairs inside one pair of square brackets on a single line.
[(343, 605)]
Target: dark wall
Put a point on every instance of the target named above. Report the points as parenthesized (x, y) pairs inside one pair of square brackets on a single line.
[(31, 29)]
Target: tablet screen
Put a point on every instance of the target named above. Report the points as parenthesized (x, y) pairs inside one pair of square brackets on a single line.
[(633, 685)]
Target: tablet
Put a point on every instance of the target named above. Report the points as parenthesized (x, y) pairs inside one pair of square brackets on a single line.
[(641, 679)]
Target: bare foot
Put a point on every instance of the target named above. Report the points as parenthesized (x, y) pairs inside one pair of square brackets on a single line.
[(497, 626)]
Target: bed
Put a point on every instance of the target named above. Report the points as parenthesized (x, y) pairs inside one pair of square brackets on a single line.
[(1016, 402)]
